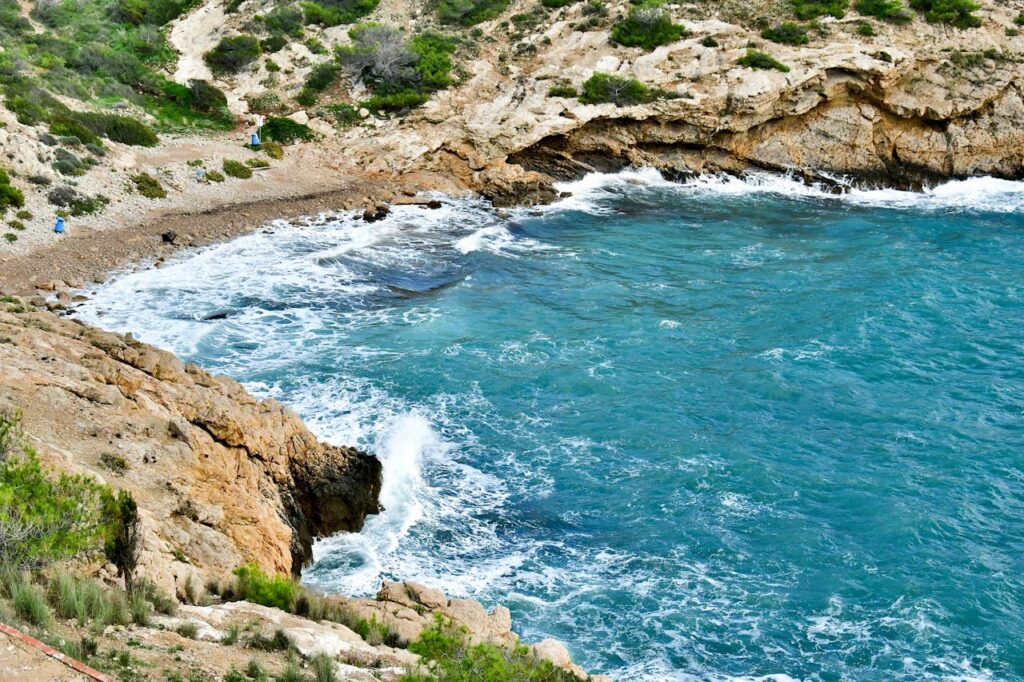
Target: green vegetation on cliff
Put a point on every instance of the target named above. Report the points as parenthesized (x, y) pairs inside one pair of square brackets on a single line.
[(648, 25), (603, 88), (449, 657), (402, 72)]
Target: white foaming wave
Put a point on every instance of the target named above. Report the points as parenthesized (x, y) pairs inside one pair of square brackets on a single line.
[(984, 194)]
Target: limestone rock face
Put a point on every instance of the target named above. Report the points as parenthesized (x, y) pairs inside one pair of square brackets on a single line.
[(914, 104), (221, 478)]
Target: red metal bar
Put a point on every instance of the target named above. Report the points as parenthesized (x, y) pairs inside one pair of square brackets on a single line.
[(54, 654)]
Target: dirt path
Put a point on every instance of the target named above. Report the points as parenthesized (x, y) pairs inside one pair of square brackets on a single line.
[(192, 36)]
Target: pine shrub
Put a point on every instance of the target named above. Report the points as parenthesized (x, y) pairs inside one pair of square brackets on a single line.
[(232, 54), (236, 169), (648, 25), (756, 59)]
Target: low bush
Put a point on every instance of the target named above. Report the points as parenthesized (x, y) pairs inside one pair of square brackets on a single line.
[(214, 176), (709, 42), (958, 13), (24, 215), (152, 12), (255, 586), (257, 163), (812, 9), (322, 76), (401, 72), (563, 90), (236, 169), (278, 641), (30, 604), (648, 25), (343, 115), (148, 186), (788, 33), (232, 54), (272, 149), (893, 11), (114, 461), (44, 517), (66, 125), (756, 59), (10, 196), (604, 87), (117, 128), (206, 97), (188, 630), (274, 43), (286, 131), (87, 601), (16, 225), (864, 28), (324, 668), (285, 20), (469, 12), (448, 656), (336, 12)]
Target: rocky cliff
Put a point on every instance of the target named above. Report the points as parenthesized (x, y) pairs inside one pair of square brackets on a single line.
[(912, 104), (222, 478)]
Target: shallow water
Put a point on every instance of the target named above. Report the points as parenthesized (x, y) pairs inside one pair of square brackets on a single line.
[(704, 431)]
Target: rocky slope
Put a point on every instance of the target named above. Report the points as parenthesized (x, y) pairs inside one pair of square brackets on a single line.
[(222, 478)]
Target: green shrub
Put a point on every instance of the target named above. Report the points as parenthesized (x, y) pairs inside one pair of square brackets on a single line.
[(555, 4), (117, 128), (272, 149), (307, 98), (24, 214), (16, 225), (161, 601), (812, 9), (255, 586), (153, 12), (112, 460), (44, 517), (755, 59), (279, 641), (236, 169), (140, 608), (562, 90), (10, 237), (232, 54), (286, 131), (285, 20), (10, 196), (123, 545), (188, 630), (604, 87), (148, 186), (864, 28), (273, 44), (322, 76), (257, 163), (648, 25), (469, 12), (787, 32), (206, 97), (335, 12), (342, 114), (709, 41), (214, 176), (893, 11), (958, 13), (1019, 20), (315, 46), (402, 73), (447, 656), (68, 126)]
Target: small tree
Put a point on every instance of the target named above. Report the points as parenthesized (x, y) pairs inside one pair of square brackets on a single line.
[(648, 26), (43, 517), (124, 540)]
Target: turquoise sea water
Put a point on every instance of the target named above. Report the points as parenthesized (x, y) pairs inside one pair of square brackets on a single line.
[(726, 429)]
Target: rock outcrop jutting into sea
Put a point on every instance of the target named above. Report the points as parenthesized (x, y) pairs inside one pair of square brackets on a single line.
[(222, 479)]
